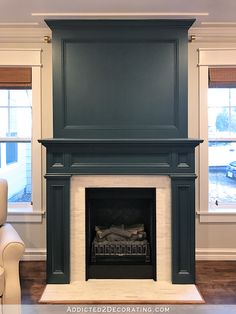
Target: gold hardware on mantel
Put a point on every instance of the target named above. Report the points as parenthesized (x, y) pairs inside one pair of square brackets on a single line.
[(47, 39), (192, 38)]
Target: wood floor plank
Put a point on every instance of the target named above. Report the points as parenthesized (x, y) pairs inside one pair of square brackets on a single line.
[(33, 281), (216, 281)]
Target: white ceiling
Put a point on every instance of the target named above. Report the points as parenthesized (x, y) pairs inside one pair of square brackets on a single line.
[(24, 13)]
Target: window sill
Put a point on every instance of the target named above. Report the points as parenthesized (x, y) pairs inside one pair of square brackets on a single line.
[(24, 215), (220, 217)]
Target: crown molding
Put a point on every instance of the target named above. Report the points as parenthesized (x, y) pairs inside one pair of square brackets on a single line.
[(24, 35), (212, 34), (41, 35)]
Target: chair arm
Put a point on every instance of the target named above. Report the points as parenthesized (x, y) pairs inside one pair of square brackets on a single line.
[(11, 250)]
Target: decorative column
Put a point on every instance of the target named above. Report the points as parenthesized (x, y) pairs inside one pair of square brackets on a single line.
[(183, 228), (58, 228)]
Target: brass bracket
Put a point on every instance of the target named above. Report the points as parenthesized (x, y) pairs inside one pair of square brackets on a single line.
[(192, 38), (47, 39)]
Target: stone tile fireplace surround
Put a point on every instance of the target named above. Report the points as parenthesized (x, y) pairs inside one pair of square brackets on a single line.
[(78, 208), (120, 120)]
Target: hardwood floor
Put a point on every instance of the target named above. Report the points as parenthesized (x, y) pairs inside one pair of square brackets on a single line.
[(216, 281), (33, 281)]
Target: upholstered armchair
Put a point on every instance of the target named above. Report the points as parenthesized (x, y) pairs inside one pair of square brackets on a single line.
[(11, 250)]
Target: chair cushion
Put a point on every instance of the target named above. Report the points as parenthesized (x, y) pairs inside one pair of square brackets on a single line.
[(1, 281), (3, 201)]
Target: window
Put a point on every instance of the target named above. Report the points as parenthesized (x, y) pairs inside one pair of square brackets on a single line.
[(217, 120), (222, 144), (15, 131), (20, 129)]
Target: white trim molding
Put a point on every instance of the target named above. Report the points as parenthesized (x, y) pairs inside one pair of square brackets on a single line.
[(20, 57), (216, 254), (24, 35), (30, 57), (208, 57), (204, 254), (25, 216), (221, 217), (212, 34), (33, 254), (216, 56)]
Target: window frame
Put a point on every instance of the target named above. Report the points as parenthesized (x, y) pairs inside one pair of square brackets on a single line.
[(207, 58), (11, 57)]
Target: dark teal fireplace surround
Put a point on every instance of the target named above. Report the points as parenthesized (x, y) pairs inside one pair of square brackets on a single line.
[(120, 108)]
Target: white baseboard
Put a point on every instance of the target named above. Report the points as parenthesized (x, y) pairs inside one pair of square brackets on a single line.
[(32, 254), (202, 254), (217, 254)]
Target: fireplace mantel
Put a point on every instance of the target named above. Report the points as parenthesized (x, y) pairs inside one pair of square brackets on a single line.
[(122, 156), (172, 157)]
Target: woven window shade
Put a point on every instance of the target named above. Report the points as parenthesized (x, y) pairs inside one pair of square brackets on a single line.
[(222, 77), (15, 77)]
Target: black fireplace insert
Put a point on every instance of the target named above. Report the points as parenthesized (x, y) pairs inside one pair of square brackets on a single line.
[(121, 233)]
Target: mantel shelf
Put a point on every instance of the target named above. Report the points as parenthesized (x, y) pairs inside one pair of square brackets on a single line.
[(158, 141)]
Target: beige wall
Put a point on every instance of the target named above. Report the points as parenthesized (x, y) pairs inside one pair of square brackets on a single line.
[(34, 236), (219, 237)]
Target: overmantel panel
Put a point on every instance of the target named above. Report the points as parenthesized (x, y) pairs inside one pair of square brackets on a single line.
[(120, 79)]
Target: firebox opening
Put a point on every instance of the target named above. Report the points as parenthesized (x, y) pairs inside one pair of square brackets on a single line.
[(121, 233)]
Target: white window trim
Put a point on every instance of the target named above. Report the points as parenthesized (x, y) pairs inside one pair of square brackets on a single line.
[(32, 58), (209, 57)]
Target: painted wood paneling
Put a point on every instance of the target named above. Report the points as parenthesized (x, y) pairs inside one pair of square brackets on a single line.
[(120, 78)]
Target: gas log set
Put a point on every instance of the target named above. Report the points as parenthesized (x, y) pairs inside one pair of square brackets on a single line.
[(120, 243)]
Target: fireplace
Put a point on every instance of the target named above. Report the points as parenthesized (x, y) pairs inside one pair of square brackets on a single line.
[(173, 159), (120, 113), (120, 233)]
